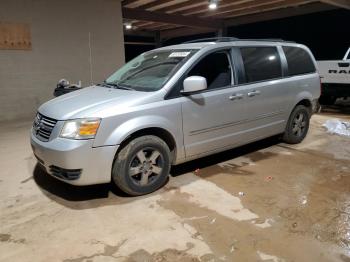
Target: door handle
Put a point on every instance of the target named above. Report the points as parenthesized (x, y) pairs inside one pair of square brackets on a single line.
[(254, 93), (236, 96)]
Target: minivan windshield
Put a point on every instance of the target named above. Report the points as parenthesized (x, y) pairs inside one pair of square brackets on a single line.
[(149, 71)]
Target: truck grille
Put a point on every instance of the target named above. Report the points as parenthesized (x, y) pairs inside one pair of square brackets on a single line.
[(43, 126)]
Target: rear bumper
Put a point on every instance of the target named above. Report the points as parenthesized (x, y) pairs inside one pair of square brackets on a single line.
[(76, 162), (315, 105)]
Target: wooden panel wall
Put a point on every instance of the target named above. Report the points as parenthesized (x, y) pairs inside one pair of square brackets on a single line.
[(15, 36)]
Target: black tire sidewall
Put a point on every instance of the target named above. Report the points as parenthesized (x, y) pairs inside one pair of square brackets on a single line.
[(289, 137), (120, 171)]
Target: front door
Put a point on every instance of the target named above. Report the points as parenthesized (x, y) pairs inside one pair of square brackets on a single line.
[(214, 118)]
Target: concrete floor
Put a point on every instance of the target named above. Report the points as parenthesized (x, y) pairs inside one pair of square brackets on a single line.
[(295, 207)]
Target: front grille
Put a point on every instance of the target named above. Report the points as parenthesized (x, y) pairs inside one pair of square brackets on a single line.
[(67, 174), (43, 126)]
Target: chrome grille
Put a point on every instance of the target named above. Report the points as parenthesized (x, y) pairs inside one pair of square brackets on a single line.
[(43, 126)]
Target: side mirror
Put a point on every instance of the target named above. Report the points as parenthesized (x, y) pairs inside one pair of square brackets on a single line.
[(194, 84)]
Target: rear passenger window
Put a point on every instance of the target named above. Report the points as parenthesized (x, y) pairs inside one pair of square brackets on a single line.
[(261, 63), (299, 61)]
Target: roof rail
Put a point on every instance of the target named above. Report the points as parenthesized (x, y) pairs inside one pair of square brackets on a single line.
[(232, 39), (268, 40), (213, 39)]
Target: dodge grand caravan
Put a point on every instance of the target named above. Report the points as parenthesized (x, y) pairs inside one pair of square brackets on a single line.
[(175, 104)]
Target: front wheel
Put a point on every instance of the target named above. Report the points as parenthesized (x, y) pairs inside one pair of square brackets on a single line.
[(142, 166), (297, 126)]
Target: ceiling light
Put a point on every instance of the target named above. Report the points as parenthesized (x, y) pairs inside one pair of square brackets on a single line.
[(213, 4), (128, 26)]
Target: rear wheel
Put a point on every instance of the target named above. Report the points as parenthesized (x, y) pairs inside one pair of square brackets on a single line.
[(298, 125), (142, 166)]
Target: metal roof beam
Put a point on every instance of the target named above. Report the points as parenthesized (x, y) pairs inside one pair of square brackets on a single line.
[(143, 15), (253, 18), (338, 3)]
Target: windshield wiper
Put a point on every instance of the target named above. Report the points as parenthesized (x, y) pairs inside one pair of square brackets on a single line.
[(123, 87), (105, 84), (115, 85)]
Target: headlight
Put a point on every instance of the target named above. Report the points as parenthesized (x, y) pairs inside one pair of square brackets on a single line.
[(80, 128)]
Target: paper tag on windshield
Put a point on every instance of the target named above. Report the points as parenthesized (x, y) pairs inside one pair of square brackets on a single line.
[(179, 54)]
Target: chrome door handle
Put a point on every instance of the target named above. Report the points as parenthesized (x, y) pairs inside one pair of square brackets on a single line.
[(254, 93), (236, 96)]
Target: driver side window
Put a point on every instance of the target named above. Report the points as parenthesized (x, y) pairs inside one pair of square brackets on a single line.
[(216, 68)]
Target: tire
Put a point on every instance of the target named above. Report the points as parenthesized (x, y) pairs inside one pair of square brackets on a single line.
[(142, 166), (327, 100), (298, 125)]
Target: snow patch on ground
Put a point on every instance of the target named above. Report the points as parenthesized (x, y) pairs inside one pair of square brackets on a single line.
[(336, 126), (267, 257)]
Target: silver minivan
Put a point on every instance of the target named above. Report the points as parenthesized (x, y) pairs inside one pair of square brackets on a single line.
[(175, 104)]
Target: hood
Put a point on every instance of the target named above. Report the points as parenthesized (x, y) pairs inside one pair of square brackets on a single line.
[(94, 101)]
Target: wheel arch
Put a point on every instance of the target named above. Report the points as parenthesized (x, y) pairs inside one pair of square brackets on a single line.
[(303, 98), (159, 132), (304, 102)]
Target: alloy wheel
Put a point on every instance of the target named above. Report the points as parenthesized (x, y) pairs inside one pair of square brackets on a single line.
[(146, 165), (299, 124)]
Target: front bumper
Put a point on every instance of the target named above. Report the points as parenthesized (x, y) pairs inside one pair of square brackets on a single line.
[(89, 165)]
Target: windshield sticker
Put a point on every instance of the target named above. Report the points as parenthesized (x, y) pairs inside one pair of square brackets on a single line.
[(179, 54)]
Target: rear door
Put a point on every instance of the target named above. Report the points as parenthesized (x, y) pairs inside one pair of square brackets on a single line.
[(265, 90)]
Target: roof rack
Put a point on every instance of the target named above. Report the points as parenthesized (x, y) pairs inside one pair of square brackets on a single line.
[(232, 39), (213, 39), (268, 40)]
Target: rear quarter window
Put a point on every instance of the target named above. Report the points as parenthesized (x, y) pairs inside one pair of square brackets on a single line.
[(298, 60)]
